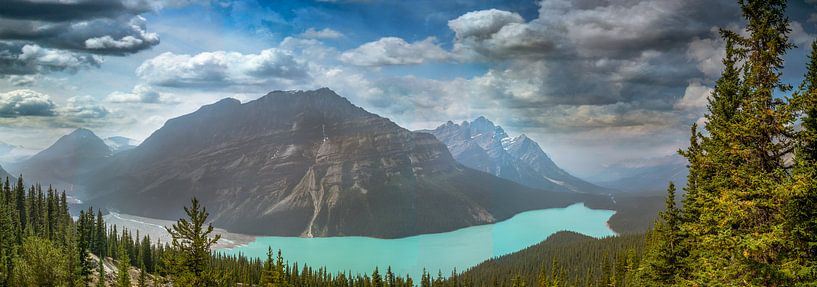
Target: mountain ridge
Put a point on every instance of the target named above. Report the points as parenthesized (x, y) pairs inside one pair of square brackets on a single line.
[(308, 163), (484, 146)]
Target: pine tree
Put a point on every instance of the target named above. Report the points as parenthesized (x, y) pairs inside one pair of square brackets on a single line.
[(193, 242), (142, 281), (101, 277), (663, 262), (100, 237), (122, 274), (268, 273), (377, 280), (801, 216), (40, 263)]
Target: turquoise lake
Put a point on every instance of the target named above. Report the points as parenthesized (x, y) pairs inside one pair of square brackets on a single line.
[(460, 249)]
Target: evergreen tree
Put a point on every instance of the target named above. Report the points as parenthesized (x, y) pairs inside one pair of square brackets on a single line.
[(377, 280), (193, 242), (663, 261), (100, 237), (268, 274), (123, 265), (40, 263), (801, 214), (142, 281), (101, 277)]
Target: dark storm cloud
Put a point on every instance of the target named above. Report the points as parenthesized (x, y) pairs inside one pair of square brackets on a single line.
[(632, 57), (17, 58), (74, 30), (68, 11)]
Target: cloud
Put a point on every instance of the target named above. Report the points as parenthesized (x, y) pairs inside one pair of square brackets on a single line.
[(799, 36), (16, 59), (696, 97), (123, 35), (21, 80), (708, 53), (75, 31), (483, 24), (221, 68), (20, 103), (140, 94), (325, 33), (395, 51), (82, 108)]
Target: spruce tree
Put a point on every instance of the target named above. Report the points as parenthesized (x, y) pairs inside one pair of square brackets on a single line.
[(663, 262), (193, 242), (801, 214), (123, 265), (101, 277)]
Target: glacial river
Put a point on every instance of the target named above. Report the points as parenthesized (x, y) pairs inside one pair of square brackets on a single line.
[(460, 249)]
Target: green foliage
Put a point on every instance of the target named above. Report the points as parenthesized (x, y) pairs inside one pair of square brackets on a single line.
[(193, 242), (40, 263), (123, 267), (664, 259)]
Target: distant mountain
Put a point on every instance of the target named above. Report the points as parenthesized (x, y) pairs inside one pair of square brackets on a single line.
[(4, 174), (483, 146), (66, 162), (10, 154), (308, 163), (119, 144), (649, 175)]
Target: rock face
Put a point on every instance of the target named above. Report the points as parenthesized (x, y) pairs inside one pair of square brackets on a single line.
[(483, 146), (68, 161), (307, 164)]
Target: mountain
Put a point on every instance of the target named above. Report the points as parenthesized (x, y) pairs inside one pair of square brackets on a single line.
[(4, 174), (66, 162), (119, 144), (649, 175), (11, 154), (486, 147), (308, 163)]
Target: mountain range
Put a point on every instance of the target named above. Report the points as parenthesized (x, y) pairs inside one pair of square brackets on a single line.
[(484, 146), (293, 163), (648, 175)]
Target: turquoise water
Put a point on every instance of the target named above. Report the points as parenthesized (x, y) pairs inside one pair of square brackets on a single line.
[(458, 249)]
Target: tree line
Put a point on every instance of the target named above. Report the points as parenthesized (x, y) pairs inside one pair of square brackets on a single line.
[(42, 245)]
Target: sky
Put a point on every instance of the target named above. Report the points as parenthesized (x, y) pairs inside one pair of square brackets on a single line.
[(597, 83)]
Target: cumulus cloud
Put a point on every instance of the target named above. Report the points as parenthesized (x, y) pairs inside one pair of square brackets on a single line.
[(395, 51), (325, 33), (483, 24), (75, 29), (17, 59), (708, 53), (140, 94), (799, 36), (696, 97), (221, 68), (81, 108), (18, 103)]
